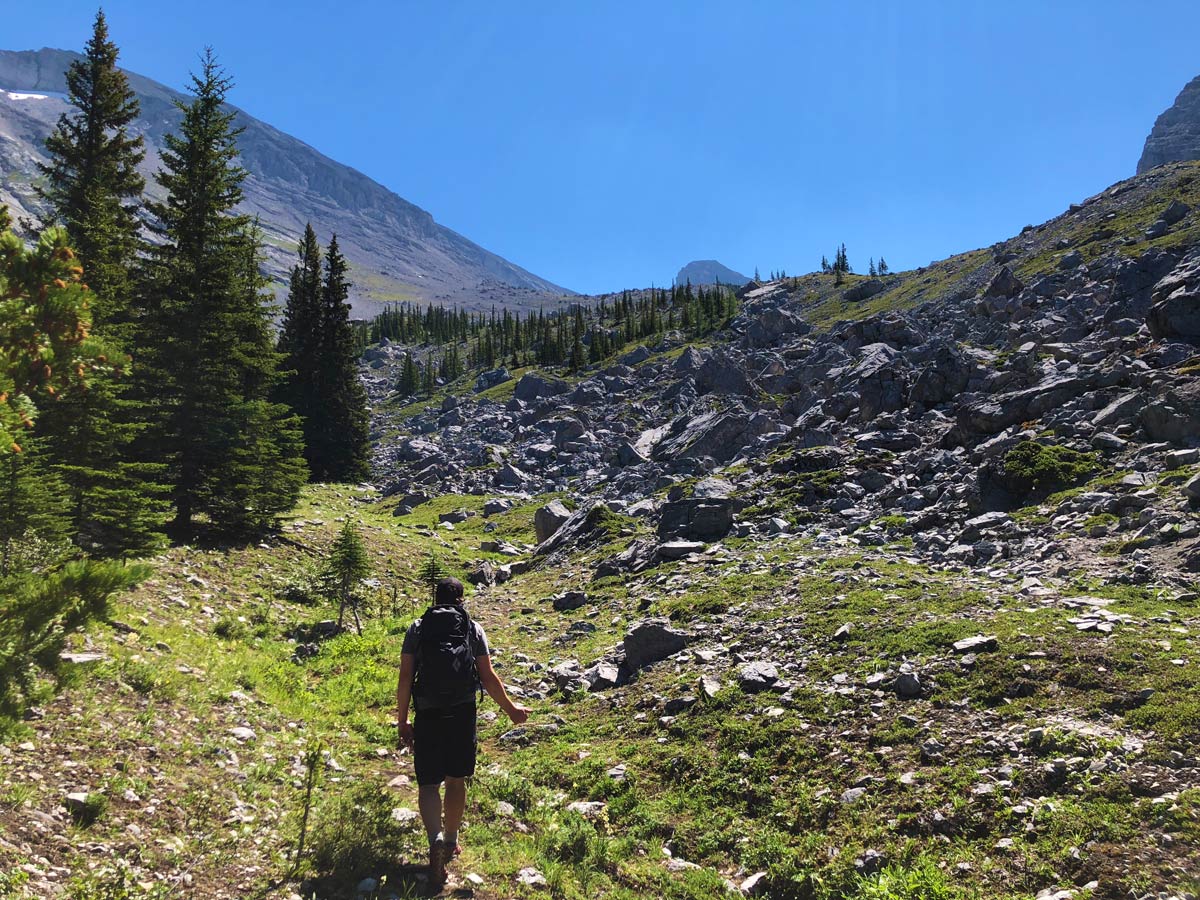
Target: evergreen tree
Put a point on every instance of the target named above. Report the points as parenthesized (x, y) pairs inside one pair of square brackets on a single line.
[(233, 455), (883, 266), (91, 180), (338, 448), (93, 187), (871, 270), (348, 565), (824, 264), (299, 332), (410, 378), (44, 323)]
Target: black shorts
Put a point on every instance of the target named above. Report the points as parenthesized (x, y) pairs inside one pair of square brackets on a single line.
[(444, 743)]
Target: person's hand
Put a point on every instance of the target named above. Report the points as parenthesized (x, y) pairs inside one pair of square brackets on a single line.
[(406, 734), (518, 714)]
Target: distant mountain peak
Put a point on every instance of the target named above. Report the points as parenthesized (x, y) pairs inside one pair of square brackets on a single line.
[(1176, 133), (709, 271)]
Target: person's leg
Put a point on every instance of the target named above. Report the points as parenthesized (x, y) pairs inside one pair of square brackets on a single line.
[(456, 804), (429, 802), (428, 759)]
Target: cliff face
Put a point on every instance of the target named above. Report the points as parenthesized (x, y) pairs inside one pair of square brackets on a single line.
[(396, 249), (1176, 133)]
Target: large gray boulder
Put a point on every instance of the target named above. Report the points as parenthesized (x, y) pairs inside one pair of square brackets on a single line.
[(1175, 314), (1004, 284), (549, 518), (772, 326), (707, 515), (651, 641), (534, 387)]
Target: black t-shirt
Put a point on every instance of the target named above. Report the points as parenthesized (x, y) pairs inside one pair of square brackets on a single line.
[(479, 646)]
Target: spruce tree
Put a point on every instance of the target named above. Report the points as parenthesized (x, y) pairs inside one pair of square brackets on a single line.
[(233, 455), (94, 189), (91, 181), (337, 431), (299, 331)]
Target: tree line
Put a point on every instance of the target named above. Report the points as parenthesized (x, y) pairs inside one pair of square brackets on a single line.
[(143, 389), (571, 338)]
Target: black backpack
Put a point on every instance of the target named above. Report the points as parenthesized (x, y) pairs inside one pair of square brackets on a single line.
[(445, 656)]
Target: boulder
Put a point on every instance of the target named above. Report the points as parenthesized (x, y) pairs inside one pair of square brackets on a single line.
[(569, 600), (549, 518), (757, 676), (491, 378), (1004, 284), (698, 519), (1175, 314), (650, 641), (772, 326), (534, 387), (865, 290)]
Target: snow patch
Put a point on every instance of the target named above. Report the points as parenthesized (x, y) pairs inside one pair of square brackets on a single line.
[(24, 95)]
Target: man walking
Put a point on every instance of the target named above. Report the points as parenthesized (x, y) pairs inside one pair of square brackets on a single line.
[(443, 663)]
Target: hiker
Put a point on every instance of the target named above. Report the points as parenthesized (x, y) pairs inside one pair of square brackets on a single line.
[(443, 662)]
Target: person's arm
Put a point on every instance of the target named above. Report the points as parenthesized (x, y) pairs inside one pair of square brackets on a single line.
[(495, 688), (408, 665)]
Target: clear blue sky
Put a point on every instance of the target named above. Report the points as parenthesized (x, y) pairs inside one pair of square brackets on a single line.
[(604, 144)]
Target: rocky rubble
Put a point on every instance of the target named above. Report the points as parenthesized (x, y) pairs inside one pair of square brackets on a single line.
[(905, 413)]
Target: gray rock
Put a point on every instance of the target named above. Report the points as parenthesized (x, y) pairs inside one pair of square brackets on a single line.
[(1192, 488), (496, 505), (548, 519), (672, 550), (1175, 314), (864, 290), (1176, 133), (509, 475), (570, 600), (650, 641), (1004, 284), (533, 387), (907, 685), (757, 676), (978, 644)]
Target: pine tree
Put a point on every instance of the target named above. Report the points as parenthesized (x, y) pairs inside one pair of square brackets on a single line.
[(300, 329), (871, 270), (883, 266), (824, 264), (93, 187), (34, 527), (348, 565), (233, 455), (91, 180), (410, 378), (44, 321), (338, 448)]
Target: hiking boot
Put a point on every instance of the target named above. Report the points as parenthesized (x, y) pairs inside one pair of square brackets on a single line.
[(439, 853)]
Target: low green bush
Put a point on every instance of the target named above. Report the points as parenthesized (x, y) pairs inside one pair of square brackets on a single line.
[(1038, 470)]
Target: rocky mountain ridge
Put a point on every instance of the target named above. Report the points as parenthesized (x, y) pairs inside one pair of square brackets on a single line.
[(396, 249), (1176, 133)]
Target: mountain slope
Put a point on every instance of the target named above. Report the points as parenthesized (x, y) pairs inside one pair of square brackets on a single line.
[(1176, 133), (397, 249)]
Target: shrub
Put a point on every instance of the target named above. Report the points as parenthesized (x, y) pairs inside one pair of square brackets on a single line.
[(355, 833), (1033, 469)]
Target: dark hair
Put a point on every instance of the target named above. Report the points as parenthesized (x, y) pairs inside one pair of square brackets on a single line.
[(449, 590)]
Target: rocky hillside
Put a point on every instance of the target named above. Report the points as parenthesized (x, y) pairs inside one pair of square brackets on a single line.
[(709, 271), (1176, 133), (396, 249)]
